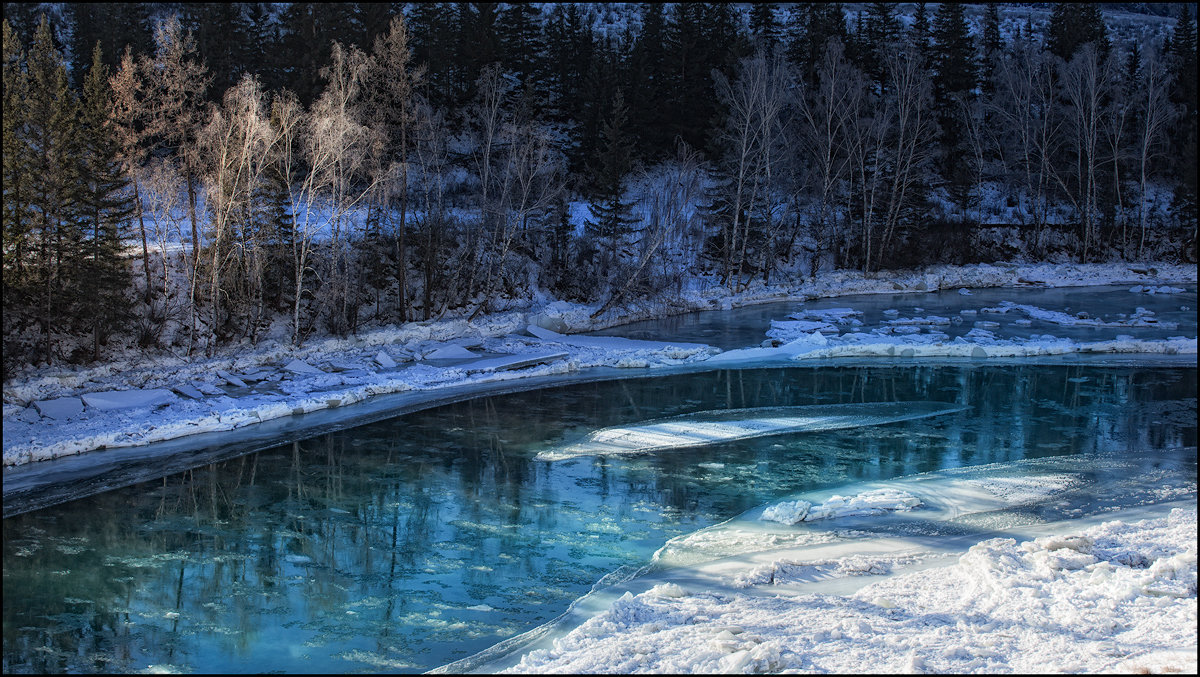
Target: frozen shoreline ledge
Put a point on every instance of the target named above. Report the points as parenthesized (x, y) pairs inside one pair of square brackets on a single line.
[(31, 437)]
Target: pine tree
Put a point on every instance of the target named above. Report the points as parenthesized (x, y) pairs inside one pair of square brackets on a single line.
[(1183, 68), (263, 43), (647, 79), (992, 46), (882, 30), (812, 25), (102, 208), (221, 32), (764, 26), (18, 192), (1074, 24), (954, 80), (610, 223), (52, 134), (919, 34), (433, 28), (521, 42)]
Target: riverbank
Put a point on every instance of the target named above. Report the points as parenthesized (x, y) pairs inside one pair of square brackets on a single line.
[(62, 411), (1119, 596)]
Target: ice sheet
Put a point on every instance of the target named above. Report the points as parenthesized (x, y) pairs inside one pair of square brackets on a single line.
[(712, 427)]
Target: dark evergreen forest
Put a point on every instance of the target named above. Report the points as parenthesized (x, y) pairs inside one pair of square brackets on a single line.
[(186, 176)]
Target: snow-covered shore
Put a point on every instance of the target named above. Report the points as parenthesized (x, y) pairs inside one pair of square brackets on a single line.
[(1116, 597), (62, 411)]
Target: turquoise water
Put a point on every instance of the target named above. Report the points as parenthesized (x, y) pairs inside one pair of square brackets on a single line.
[(409, 543)]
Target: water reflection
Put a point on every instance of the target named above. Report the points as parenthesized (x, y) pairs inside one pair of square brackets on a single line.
[(412, 542)]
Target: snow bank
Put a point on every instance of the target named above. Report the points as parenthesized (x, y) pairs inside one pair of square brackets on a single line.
[(1117, 597), (242, 385), (876, 502)]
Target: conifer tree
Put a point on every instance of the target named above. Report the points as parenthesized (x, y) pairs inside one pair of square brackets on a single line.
[(1183, 69), (992, 46), (919, 33), (647, 79), (433, 26), (811, 26), (521, 41), (882, 30), (764, 25), (611, 221), (1074, 24), (51, 127), (18, 193), (953, 84), (102, 208)]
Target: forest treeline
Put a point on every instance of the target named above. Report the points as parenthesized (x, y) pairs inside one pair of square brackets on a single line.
[(225, 171)]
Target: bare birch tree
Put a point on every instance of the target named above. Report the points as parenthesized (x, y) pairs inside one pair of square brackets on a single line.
[(823, 134), (1085, 80), (391, 93), (1155, 115)]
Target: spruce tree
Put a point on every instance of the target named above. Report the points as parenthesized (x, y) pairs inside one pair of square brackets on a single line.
[(1183, 69), (102, 207), (433, 27), (764, 25), (648, 77), (610, 223), (992, 46), (1074, 24), (919, 33), (953, 82), (18, 191), (882, 30), (521, 43), (52, 128)]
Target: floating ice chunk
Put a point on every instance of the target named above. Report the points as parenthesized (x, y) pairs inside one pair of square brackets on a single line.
[(208, 388), (126, 399), (231, 379), (384, 360), (891, 312), (931, 320), (188, 390), (301, 367), (63, 407), (450, 352), (617, 342), (835, 315), (793, 348), (543, 333), (875, 502), (788, 330), (508, 362), (713, 427), (964, 291), (986, 324), (1150, 289), (255, 376)]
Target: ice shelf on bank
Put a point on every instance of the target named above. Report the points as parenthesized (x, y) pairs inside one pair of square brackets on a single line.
[(712, 427)]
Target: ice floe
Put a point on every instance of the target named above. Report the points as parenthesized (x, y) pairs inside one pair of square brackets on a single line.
[(128, 399), (876, 502), (713, 427)]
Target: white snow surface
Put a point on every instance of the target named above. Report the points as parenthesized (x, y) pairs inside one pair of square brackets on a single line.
[(1115, 597), (44, 417), (874, 502)]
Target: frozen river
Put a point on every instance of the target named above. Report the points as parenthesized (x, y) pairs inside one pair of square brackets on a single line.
[(411, 542)]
